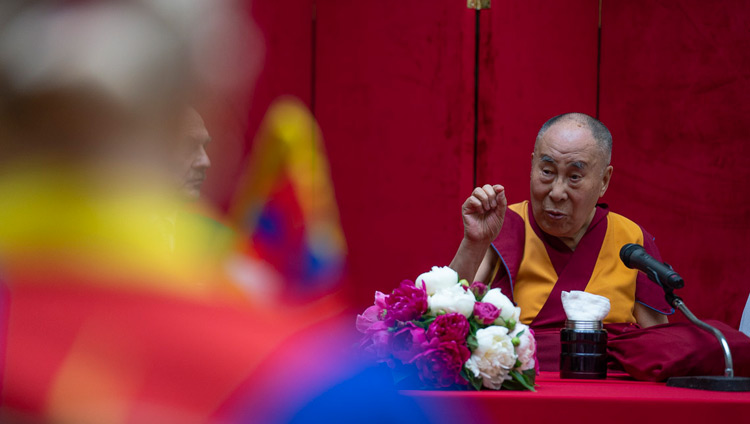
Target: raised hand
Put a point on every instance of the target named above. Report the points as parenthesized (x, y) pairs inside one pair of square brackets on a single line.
[(483, 213)]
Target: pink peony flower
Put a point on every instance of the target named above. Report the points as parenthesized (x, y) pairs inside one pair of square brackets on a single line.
[(440, 364), (485, 313), (449, 327), (377, 338), (407, 342), (380, 299), (367, 318), (536, 361), (407, 302), (376, 342), (479, 289), (372, 314)]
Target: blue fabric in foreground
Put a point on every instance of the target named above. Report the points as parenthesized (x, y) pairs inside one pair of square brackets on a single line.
[(368, 397)]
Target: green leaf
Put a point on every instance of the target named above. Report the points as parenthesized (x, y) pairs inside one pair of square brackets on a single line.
[(471, 342), (476, 382), (530, 376), (512, 385), (521, 378), (424, 323)]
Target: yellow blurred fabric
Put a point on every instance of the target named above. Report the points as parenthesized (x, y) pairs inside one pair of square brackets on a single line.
[(113, 235)]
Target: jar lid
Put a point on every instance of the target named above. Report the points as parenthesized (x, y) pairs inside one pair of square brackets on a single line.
[(583, 325)]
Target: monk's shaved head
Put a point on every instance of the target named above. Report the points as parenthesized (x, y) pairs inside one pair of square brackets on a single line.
[(601, 134)]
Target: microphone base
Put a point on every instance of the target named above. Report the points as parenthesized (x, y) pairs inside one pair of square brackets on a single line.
[(712, 383)]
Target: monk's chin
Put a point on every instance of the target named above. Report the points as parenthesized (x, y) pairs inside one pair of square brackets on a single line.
[(556, 229), (191, 192)]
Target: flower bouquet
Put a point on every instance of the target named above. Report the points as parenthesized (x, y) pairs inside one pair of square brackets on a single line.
[(450, 333)]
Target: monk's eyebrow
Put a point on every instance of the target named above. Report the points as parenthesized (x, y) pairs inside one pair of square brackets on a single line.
[(546, 158), (579, 164)]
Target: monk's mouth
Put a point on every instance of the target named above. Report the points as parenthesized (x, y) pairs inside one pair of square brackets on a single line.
[(196, 181), (555, 215)]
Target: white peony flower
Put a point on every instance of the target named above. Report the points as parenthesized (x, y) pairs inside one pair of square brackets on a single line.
[(452, 299), (501, 302), (526, 348), (516, 314), (437, 279), (494, 356)]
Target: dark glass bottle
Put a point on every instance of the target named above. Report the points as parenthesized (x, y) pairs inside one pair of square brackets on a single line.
[(583, 350)]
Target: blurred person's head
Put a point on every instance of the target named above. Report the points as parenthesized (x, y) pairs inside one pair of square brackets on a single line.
[(90, 84), (105, 83), (192, 159)]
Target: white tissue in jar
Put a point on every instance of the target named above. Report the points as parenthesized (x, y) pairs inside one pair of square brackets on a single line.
[(582, 306)]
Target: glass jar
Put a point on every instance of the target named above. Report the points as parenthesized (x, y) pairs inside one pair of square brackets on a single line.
[(583, 350)]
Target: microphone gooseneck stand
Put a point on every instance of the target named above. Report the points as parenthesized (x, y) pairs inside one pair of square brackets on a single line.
[(726, 383)]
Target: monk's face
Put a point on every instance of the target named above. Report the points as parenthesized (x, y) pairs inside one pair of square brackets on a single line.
[(569, 173), (193, 161)]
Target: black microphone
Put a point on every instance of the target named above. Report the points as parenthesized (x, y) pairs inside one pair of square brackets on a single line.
[(634, 256)]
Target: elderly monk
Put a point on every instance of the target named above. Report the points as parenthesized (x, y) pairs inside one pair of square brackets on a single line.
[(193, 160), (561, 239), (188, 163)]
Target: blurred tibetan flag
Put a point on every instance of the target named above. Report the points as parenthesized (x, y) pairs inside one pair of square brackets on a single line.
[(286, 203)]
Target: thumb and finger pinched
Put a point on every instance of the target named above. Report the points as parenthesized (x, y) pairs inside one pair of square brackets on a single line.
[(486, 198)]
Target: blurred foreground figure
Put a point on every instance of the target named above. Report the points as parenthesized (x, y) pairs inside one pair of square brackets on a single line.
[(102, 322)]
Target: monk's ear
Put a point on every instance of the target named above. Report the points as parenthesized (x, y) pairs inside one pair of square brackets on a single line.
[(605, 179)]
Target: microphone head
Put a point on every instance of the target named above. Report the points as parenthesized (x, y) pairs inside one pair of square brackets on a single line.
[(627, 251)]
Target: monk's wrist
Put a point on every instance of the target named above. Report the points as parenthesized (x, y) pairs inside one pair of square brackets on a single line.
[(475, 246)]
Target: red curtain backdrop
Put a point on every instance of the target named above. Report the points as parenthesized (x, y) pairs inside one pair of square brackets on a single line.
[(537, 60), (394, 99), (675, 92), (392, 85)]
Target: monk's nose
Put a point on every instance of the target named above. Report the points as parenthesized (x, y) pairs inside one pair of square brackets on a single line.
[(202, 161), (558, 194)]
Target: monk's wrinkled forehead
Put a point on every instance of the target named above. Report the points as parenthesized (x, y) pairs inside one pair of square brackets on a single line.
[(194, 127), (569, 142)]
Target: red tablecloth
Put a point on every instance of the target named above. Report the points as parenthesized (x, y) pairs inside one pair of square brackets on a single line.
[(611, 401)]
